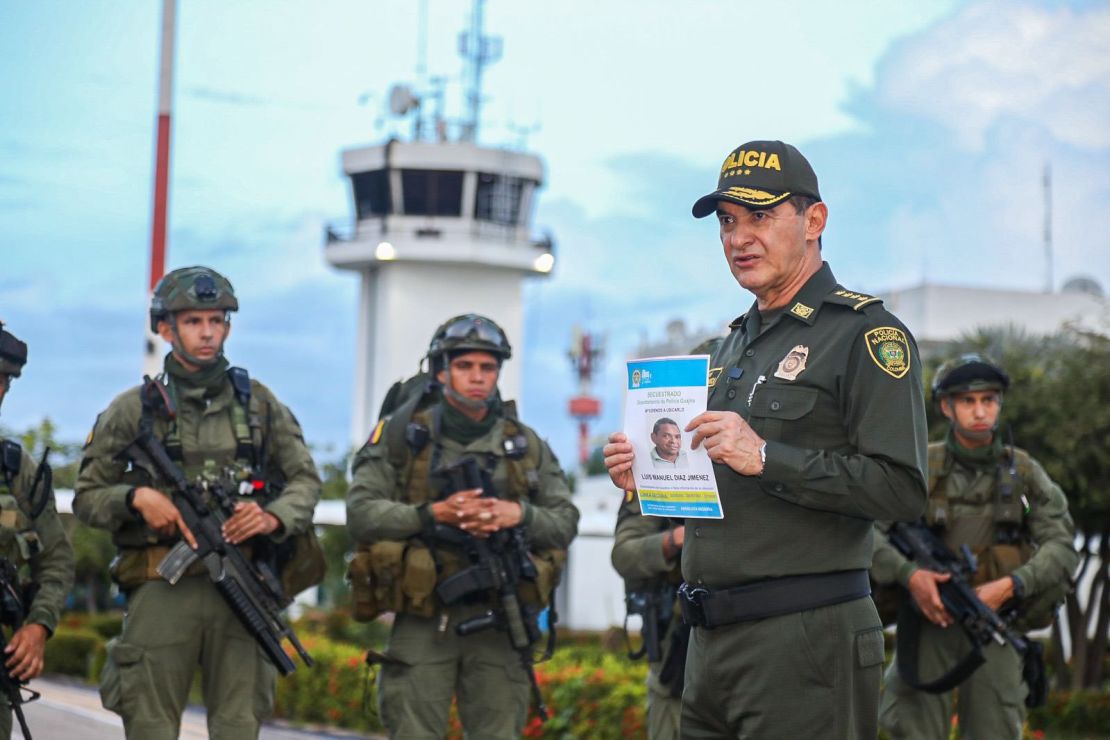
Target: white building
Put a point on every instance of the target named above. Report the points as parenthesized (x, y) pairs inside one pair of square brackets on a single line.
[(937, 314)]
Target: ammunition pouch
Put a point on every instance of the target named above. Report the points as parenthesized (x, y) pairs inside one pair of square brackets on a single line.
[(998, 561), (132, 567), (18, 540), (402, 576), (392, 576), (549, 572), (301, 562)]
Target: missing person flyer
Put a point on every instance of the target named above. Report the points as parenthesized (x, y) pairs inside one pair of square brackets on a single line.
[(664, 394)]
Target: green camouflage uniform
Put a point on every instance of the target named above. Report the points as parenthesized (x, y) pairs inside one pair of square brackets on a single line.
[(39, 544), (427, 662), (846, 443), (169, 630), (965, 486), (638, 558)]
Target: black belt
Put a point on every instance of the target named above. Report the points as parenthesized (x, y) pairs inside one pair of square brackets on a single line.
[(771, 598)]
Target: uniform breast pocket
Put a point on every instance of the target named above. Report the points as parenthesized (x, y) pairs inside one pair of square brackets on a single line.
[(781, 413)]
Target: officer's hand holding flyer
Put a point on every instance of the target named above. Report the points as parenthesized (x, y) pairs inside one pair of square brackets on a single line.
[(664, 394)]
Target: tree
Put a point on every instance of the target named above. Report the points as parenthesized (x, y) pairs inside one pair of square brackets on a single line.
[(1058, 409)]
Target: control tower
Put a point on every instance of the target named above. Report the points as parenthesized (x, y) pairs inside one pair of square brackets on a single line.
[(441, 226)]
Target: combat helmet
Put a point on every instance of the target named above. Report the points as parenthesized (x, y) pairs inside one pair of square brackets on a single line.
[(469, 332), (969, 372), (13, 354), (191, 288)]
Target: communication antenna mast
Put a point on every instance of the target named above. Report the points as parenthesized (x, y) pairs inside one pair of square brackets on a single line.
[(478, 51), (1049, 281), (152, 362), (585, 355)]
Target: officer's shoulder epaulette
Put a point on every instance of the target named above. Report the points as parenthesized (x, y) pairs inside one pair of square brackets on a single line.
[(855, 301), (11, 456)]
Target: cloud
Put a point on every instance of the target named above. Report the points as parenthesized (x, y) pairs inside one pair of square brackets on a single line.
[(224, 96), (995, 61)]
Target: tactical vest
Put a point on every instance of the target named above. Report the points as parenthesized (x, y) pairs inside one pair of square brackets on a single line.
[(244, 464), (999, 537), (401, 575), (242, 469), (18, 540)]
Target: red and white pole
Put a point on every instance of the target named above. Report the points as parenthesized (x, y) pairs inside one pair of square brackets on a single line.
[(152, 361)]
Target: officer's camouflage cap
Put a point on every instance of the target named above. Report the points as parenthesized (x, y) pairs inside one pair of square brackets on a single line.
[(969, 372), (469, 333), (191, 288), (760, 174), (13, 353)]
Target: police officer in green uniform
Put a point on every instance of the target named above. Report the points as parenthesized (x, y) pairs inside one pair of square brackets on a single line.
[(225, 428), (393, 506), (31, 539), (646, 552), (998, 501), (816, 426)]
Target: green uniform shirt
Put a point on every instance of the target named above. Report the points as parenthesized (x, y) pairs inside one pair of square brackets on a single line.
[(834, 386), (638, 544), (376, 509), (206, 431), (51, 567), (971, 493)]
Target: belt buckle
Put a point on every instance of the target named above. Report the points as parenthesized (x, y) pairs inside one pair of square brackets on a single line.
[(693, 612)]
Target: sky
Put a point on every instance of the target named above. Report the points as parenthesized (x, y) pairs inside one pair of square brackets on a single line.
[(929, 125)]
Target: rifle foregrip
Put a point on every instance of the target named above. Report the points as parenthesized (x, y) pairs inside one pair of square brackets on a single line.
[(256, 625)]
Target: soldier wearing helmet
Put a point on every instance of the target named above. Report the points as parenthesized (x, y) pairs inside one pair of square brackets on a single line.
[(999, 502), (395, 503), (221, 426), (34, 548)]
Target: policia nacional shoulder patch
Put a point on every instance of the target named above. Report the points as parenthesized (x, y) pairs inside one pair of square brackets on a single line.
[(890, 350)]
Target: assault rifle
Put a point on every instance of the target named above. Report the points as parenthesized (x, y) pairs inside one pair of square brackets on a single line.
[(918, 543), (499, 562), (251, 589), (12, 612), (655, 607)]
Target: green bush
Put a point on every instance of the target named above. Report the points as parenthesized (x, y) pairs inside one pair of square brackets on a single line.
[(590, 693), (75, 652), (1074, 712), (334, 692)]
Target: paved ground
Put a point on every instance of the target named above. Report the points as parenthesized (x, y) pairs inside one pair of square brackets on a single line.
[(73, 712)]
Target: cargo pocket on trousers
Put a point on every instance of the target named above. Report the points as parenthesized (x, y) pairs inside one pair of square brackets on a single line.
[(124, 672), (869, 648)]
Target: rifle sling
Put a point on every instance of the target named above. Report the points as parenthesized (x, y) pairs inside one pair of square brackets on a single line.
[(909, 639)]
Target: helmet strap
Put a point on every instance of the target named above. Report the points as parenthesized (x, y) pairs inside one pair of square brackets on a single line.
[(179, 349), (473, 404)]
